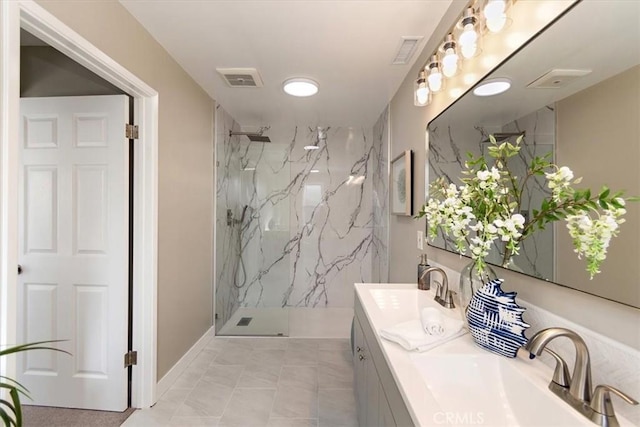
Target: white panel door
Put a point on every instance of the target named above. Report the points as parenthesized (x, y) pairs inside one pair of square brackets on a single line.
[(73, 249)]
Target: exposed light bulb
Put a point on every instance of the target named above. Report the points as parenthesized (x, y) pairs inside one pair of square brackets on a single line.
[(421, 91), (435, 79), (494, 13), (495, 25), (450, 63), (468, 41)]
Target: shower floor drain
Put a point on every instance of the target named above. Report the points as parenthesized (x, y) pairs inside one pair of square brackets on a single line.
[(244, 321)]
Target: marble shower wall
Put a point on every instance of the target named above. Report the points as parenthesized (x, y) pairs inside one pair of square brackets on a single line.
[(301, 226), (331, 217), (227, 240), (449, 144), (380, 178)]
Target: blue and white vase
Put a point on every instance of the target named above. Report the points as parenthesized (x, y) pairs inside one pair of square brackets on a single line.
[(495, 320)]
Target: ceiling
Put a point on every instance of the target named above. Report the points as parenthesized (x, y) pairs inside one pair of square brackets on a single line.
[(347, 46)]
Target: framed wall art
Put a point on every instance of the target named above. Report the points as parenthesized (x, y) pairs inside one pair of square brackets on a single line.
[(401, 184)]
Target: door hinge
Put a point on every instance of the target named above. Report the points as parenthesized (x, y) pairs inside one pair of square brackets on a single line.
[(130, 359), (131, 131)]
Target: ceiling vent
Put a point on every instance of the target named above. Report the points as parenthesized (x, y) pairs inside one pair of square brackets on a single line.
[(407, 49), (555, 79), (241, 77)]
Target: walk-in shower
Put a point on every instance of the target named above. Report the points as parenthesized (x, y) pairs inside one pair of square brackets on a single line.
[(294, 227), (252, 227)]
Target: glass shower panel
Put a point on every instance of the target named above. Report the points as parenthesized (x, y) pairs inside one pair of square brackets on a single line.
[(252, 233)]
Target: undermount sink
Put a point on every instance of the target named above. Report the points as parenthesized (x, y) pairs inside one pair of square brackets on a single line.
[(490, 390), (401, 305)]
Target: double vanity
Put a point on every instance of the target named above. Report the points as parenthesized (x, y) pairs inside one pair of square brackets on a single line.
[(454, 384)]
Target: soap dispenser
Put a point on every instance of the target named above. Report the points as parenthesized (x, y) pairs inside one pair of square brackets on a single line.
[(424, 283)]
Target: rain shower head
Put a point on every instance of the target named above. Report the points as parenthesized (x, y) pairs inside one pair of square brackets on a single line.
[(253, 136), (503, 136)]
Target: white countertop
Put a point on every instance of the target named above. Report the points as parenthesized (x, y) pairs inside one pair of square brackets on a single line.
[(425, 401)]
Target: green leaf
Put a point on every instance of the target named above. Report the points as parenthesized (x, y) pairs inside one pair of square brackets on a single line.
[(545, 205), (616, 203), (603, 204), (18, 408), (604, 193), (8, 421)]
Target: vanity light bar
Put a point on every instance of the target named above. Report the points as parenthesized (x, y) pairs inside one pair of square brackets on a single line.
[(444, 63)]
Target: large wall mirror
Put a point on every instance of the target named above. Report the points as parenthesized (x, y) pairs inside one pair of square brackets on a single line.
[(586, 114)]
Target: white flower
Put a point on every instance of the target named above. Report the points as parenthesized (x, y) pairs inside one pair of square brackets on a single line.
[(559, 181), (483, 175), (483, 214), (565, 173), (495, 173), (518, 220)]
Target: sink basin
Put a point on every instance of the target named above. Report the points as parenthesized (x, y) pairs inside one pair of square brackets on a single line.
[(401, 305), (490, 390)]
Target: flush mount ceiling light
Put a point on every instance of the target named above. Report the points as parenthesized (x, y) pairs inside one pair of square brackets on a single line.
[(300, 87), (492, 87)]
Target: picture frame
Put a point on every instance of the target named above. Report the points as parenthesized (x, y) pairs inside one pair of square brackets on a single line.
[(402, 184)]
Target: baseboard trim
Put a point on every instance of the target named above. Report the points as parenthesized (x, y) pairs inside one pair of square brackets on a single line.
[(170, 377)]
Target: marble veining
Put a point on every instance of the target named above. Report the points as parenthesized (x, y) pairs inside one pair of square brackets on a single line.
[(380, 177), (227, 240), (295, 227)]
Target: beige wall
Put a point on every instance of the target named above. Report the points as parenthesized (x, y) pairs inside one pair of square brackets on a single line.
[(408, 124), (598, 137), (185, 185)]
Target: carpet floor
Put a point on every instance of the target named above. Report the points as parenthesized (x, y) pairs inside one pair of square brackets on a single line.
[(40, 416)]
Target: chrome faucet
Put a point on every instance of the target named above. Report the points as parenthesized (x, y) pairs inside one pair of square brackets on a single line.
[(444, 296), (576, 389), (580, 385)]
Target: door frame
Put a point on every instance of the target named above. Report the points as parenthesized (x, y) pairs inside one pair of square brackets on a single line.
[(32, 17)]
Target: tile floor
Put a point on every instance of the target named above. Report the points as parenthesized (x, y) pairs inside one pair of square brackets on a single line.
[(247, 382)]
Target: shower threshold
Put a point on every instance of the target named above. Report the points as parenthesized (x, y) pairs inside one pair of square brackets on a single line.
[(251, 321)]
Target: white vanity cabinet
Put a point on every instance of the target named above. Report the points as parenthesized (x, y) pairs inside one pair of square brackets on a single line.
[(377, 396)]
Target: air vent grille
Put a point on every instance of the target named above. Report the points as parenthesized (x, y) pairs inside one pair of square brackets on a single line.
[(555, 79), (245, 80), (406, 50), (241, 77)]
